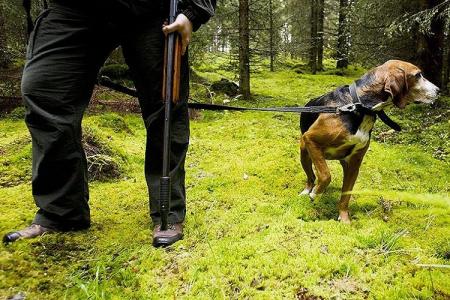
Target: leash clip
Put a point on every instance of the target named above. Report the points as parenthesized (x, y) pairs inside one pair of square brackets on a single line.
[(346, 108)]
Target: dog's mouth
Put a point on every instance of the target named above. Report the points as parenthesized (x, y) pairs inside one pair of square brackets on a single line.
[(416, 100), (426, 98), (425, 93), (430, 100)]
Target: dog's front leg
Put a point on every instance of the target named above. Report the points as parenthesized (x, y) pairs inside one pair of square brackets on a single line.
[(350, 167), (318, 159), (307, 167)]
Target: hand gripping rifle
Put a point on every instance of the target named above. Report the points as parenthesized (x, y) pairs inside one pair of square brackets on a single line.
[(170, 93)]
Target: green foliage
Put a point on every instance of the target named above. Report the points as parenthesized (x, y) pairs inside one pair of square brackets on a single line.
[(17, 113), (10, 84), (421, 20), (248, 234)]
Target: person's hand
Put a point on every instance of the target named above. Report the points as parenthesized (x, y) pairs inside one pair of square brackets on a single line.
[(184, 27)]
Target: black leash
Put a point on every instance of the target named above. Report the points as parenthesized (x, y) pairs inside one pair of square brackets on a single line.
[(106, 82), (356, 106), (388, 121), (288, 109)]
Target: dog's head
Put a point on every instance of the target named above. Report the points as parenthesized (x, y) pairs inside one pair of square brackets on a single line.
[(405, 83)]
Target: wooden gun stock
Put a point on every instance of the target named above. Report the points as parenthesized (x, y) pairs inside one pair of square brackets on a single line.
[(176, 72)]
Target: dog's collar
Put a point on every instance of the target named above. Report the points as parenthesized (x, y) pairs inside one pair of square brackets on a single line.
[(376, 110), (354, 94)]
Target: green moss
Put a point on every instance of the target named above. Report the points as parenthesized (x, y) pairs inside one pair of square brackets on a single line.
[(115, 122), (105, 162), (14, 153), (248, 232)]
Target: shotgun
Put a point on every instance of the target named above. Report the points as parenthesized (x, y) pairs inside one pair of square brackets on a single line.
[(170, 93)]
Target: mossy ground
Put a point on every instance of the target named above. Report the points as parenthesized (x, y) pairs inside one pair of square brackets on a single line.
[(248, 232)]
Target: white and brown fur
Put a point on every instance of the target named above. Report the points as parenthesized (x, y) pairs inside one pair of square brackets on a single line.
[(346, 137)]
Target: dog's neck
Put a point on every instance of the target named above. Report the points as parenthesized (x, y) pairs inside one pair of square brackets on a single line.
[(371, 93), (373, 102)]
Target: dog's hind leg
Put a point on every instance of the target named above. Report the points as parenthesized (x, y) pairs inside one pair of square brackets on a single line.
[(318, 159), (350, 167), (307, 167)]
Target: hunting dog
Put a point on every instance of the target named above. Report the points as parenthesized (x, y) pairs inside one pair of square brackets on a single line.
[(346, 136)]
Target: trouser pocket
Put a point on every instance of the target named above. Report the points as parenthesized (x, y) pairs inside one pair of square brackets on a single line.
[(32, 38)]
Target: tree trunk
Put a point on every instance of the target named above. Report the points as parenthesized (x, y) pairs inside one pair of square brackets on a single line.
[(313, 45), (320, 34), (271, 35), (433, 49), (244, 51), (4, 55), (446, 58), (343, 35)]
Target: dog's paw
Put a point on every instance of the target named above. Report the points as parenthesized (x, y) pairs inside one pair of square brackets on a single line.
[(314, 195), (306, 191)]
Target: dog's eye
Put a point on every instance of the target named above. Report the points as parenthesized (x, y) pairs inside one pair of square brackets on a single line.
[(418, 75)]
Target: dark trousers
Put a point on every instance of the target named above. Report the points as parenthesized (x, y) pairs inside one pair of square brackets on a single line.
[(65, 52)]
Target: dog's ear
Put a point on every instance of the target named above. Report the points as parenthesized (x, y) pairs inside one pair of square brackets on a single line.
[(396, 84)]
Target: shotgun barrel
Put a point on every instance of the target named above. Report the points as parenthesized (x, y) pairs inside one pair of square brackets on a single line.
[(170, 93)]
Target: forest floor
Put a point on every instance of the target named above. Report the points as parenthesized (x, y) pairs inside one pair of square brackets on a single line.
[(249, 234)]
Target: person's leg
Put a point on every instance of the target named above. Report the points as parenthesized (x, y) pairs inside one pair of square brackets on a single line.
[(65, 52), (144, 52)]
